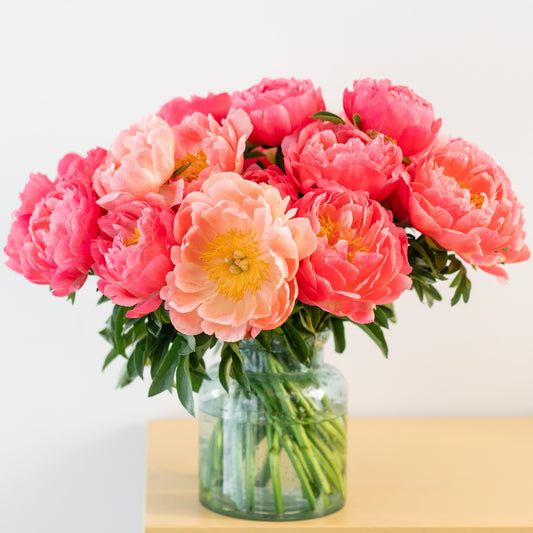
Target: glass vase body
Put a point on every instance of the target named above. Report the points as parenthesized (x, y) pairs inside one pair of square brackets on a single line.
[(277, 452)]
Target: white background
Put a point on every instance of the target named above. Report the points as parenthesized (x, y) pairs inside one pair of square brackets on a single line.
[(73, 74)]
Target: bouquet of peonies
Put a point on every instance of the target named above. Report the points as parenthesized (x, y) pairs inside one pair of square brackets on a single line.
[(230, 216), (260, 215)]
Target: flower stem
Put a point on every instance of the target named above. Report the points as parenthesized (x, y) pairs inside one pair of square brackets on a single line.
[(273, 459), (249, 468)]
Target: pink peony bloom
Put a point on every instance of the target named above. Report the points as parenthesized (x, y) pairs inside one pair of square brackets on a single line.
[(132, 255), (361, 257), (140, 163), (278, 107), (35, 190), (217, 105), (236, 260), (464, 201), (53, 229), (275, 177), (394, 110), (332, 155), (205, 147)]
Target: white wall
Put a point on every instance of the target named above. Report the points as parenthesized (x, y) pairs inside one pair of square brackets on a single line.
[(75, 73)]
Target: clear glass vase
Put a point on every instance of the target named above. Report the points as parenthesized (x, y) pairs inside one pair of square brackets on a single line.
[(279, 452)]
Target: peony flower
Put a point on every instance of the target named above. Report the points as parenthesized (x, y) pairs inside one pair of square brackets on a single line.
[(275, 177), (132, 255), (205, 147), (217, 105), (50, 239), (236, 260), (464, 201), (278, 107), (140, 163), (35, 190), (332, 155), (360, 259), (394, 110)]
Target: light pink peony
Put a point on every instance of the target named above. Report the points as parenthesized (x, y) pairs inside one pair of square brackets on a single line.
[(361, 257), (464, 201), (207, 147), (132, 255), (332, 155), (139, 165), (275, 177), (393, 110), (236, 260), (50, 239), (278, 107), (217, 105)]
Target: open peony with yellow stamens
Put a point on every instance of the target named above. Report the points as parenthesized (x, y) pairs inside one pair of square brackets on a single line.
[(236, 260)]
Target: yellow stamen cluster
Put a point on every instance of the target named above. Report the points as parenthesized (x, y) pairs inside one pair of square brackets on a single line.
[(232, 261), (195, 163), (133, 238), (331, 229), (475, 198)]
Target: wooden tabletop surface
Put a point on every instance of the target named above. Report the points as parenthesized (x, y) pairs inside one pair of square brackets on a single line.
[(432, 475)]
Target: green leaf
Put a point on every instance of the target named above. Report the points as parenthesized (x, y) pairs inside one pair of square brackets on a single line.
[(102, 300), (328, 117), (376, 334), (71, 298), (295, 342), (180, 170), (158, 353), (253, 154), (236, 369), (380, 317), (264, 339), (183, 384), (124, 378), (224, 369), (107, 335), (280, 162), (164, 378), (203, 343), (111, 356), (356, 120), (306, 320), (188, 344), (162, 314), (139, 355), (154, 326), (118, 339), (337, 327)]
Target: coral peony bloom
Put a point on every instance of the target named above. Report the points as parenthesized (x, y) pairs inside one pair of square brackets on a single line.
[(275, 177), (278, 107), (50, 239), (394, 110), (360, 259), (328, 155), (132, 255), (464, 201), (35, 190), (217, 105), (140, 162), (205, 147), (236, 260)]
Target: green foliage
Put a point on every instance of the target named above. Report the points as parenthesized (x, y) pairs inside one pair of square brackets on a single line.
[(432, 263), (175, 360), (328, 117)]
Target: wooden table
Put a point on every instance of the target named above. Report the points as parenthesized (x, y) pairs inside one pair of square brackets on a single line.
[(425, 475)]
